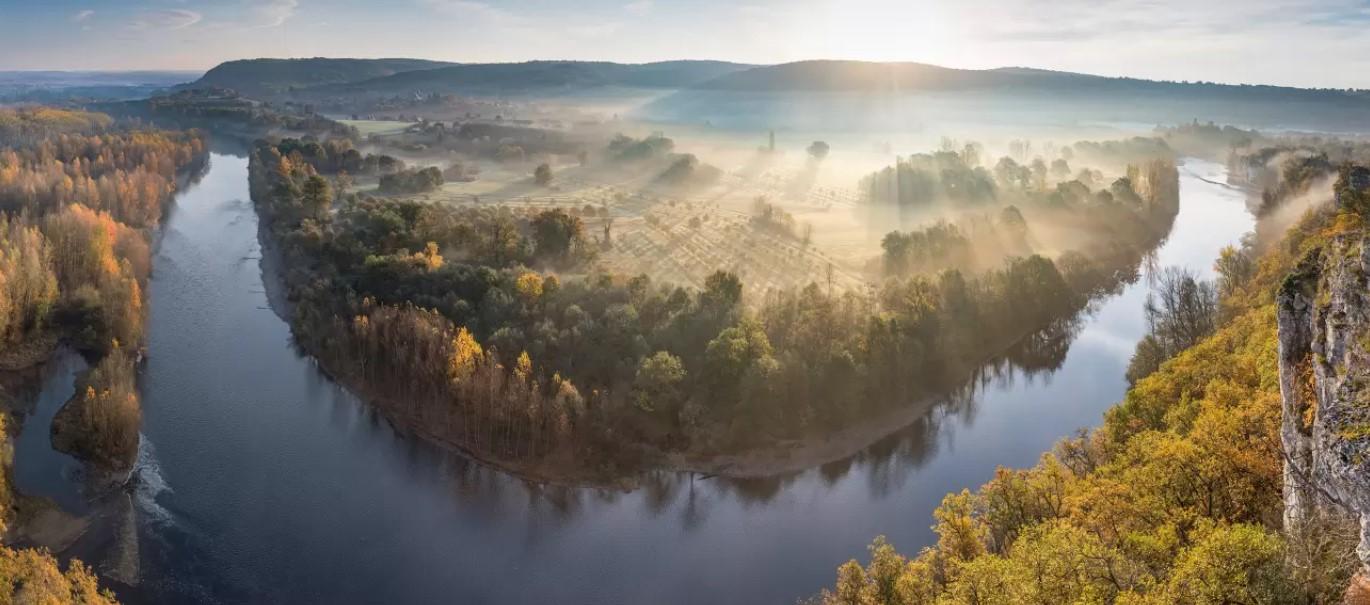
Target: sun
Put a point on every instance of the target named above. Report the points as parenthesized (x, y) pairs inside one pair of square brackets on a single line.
[(877, 30)]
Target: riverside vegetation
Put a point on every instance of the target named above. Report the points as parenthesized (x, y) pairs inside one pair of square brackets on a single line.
[(492, 330), (79, 198)]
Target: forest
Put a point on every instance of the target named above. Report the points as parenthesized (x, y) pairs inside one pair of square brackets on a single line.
[(1177, 497), (491, 329), (79, 197)]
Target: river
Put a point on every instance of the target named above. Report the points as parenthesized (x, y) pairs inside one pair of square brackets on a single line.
[(260, 480)]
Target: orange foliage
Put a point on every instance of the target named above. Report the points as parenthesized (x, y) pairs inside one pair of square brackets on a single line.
[(130, 175)]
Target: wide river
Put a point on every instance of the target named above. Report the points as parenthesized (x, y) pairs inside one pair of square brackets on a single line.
[(262, 481)]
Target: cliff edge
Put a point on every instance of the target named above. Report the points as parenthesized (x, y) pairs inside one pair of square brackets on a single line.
[(1324, 336)]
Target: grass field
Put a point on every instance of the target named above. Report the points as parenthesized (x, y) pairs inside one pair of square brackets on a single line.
[(381, 127)]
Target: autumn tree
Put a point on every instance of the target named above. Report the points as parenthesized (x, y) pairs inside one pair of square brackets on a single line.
[(100, 424), (28, 285)]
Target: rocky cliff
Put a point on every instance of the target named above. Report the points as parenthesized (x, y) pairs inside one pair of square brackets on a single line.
[(1324, 334)]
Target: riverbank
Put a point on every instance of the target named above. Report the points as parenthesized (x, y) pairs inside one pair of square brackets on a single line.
[(40, 522)]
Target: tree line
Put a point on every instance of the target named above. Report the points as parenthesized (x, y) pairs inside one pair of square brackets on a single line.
[(1131, 214), (228, 114), (130, 174)]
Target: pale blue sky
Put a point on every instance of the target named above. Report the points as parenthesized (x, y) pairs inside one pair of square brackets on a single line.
[(1295, 42)]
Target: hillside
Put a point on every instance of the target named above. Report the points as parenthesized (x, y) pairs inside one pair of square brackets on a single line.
[(1233, 474), (814, 94), (264, 77), (539, 77), (861, 76), (853, 76)]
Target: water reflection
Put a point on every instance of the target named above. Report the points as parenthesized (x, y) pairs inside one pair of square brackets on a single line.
[(39, 393)]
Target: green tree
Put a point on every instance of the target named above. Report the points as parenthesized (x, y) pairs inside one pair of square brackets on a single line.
[(657, 386), (318, 197), (731, 354), (722, 291), (557, 234)]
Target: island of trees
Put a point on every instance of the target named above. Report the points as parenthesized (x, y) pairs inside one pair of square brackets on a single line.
[(492, 330)]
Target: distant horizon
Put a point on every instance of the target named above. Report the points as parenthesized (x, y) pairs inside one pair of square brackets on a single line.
[(1297, 43), (198, 72)]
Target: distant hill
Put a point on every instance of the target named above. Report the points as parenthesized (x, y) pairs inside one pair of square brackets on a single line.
[(839, 95), (59, 86), (539, 77), (860, 95), (266, 77), (861, 76)]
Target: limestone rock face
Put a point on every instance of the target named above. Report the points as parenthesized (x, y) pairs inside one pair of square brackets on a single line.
[(1324, 334)]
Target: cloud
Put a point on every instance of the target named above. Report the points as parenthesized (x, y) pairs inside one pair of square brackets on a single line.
[(82, 15), (595, 30), (175, 18), (639, 8), (273, 13), (469, 9), (1066, 20)]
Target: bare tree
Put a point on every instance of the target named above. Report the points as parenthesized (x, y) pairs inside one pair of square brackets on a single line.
[(1181, 310)]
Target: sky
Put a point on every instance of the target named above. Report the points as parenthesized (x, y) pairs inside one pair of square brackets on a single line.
[(1308, 43)]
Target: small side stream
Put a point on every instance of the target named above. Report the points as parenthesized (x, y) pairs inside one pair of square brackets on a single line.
[(45, 471)]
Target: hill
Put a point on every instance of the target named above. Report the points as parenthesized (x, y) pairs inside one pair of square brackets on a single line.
[(265, 77), (539, 77), (861, 76), (857, 95)]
